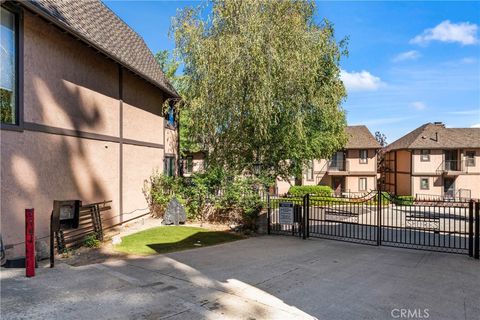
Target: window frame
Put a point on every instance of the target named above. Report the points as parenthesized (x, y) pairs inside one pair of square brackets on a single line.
[(170, 114), (189, 164), (360, 184), (360, 158), (169, 166), (421, 184), (427, 159), (18, 12), (467, 158)]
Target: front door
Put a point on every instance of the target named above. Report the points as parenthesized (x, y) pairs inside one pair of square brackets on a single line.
[(449, 187), (337, 185)]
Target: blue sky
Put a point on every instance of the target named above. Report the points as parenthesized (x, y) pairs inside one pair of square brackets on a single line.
[(409, 62)]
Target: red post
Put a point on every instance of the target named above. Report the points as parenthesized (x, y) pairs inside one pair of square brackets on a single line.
[(29, 243)]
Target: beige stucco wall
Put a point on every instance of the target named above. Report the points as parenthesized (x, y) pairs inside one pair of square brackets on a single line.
[(436, 159), (170, 141), (435, 184), (37, 168), (353, 161), (352, 183), (142, 110), (476, 168), (138, 165), (69, 86)]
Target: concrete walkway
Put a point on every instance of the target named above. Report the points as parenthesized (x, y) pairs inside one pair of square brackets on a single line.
[(271, 277)]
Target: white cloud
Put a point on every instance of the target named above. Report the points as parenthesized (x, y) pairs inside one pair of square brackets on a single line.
[(476, 125), (469, 60), (360, 81), (408, 55), (418, 105), (463, 32), (465, 112)]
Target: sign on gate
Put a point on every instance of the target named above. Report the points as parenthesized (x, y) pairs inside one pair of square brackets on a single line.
[(286, 213)]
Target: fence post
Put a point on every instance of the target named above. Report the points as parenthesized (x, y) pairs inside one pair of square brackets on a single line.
[(29, 242), (477, 230), (379, 217), (269, 211), (307, 217), (470, 227)]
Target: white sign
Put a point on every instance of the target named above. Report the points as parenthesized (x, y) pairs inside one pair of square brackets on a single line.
[(286, 213)]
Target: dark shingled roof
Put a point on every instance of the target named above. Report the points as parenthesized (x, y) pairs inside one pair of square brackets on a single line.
[(359, 137), (94, 23), (436, 136)]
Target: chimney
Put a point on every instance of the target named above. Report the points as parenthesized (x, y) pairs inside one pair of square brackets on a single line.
[(439, 123)]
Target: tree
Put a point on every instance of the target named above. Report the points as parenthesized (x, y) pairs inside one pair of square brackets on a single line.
[(170, 67), (381, 138), (262, 83)]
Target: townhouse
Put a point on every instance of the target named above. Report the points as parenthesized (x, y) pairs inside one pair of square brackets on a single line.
[(435, 161), (349, 171), (82, 113)]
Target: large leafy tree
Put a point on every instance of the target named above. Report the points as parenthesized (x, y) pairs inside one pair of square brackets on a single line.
[(262, 83), (170, 67)]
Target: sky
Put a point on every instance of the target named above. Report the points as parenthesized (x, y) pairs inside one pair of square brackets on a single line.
[(409, 63)]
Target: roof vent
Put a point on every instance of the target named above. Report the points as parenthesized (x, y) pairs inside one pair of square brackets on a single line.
[(439, 123)]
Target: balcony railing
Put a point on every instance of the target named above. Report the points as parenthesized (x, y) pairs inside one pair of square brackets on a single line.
[(337, 165), (451, 166)]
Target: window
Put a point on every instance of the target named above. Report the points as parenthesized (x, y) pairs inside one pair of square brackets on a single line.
[(169, 166), (470, 158), (170, 116), (424, 155), (363, 156), (189, 164), (424, 184), (310, 170), (9, 71), (362, 184)]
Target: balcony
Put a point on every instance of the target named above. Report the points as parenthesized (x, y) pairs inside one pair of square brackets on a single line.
[(337, 167), (451, 168)]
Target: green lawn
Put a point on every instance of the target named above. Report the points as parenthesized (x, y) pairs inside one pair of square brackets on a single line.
[(172, 238)]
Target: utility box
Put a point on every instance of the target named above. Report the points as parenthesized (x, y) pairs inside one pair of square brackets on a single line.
[(65, 214)]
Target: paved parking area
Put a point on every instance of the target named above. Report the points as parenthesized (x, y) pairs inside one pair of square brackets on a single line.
[(269, 277)]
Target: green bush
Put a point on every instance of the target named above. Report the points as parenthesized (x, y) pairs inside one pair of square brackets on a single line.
[(319, 191), (159, 190), (213, 195), (405, 200), (91, 241)]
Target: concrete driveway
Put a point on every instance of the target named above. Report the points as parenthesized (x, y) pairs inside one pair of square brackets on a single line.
[(270, 277)]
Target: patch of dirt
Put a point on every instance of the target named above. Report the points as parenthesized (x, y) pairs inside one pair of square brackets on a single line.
[(106, 252)]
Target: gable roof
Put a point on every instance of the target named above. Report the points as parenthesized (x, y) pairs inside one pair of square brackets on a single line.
[(94, 23), (359, 137), (436, 136)]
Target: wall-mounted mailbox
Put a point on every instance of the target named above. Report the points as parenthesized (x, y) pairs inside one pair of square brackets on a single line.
[(65, 214)]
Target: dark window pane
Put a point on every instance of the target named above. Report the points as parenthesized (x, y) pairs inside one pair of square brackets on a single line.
[(8, 94)]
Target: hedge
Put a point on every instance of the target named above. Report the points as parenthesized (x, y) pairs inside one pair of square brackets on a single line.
[(405, 200), (300, 191)]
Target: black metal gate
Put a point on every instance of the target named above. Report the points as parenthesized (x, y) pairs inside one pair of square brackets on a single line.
[(378, 218)]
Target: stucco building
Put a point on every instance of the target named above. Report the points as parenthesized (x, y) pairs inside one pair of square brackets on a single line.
[(433, 160), (351, 170), (82, 113)]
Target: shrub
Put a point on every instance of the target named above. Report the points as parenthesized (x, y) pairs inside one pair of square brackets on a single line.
[(319, 191), (159, 190), (91, 241), (405, 200)]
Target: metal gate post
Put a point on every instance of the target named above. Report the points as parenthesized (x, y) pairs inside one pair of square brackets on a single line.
[(477, 231), (269, 211), (305, 217), (470, 227), (379, 217)]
